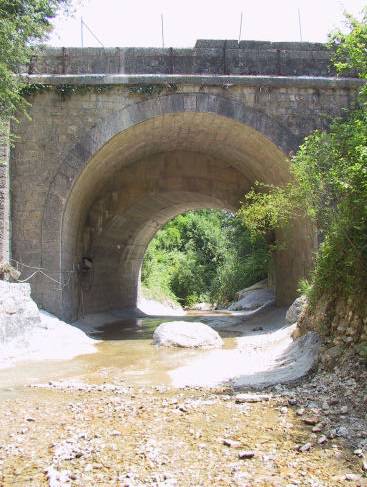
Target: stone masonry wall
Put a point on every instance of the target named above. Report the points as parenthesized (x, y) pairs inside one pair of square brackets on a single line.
[(4, 196), (57, 124), (207, 57)]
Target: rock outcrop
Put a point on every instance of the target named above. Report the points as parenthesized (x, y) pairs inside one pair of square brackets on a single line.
[(148, 305), (254, 297), (296, 309), (26, 333), (187, 335), (341, 321), (18, 312)]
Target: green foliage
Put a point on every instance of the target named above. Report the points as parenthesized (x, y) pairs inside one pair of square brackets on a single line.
[(362, 350), (350, 47), (305, 287), (329, 185), (63, 90), (152, 89), (204, 255), (265, 208), (23, 23)]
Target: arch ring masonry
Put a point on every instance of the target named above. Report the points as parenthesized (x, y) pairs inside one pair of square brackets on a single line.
[(110, 169), (205, 129)]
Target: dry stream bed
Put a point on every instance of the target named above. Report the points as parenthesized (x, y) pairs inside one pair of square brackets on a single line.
[(114, 418)]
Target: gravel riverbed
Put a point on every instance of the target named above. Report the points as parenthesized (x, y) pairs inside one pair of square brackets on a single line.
[(115, 434)]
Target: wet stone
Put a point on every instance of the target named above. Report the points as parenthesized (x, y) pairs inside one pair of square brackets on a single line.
[(311, 420), (305, 447), (352, 477), (243, 398), (231, 443), (246, 454)]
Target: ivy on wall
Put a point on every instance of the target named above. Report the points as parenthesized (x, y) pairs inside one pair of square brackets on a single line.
[(67, 90)]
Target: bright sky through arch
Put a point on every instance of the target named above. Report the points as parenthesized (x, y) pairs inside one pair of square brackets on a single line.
[(138, 23)]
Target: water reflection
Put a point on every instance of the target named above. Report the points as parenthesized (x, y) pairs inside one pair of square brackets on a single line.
[(141, 329), (125, 352), (127, 329)]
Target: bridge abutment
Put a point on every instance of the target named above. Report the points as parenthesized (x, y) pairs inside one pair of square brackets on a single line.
[(4, 193)]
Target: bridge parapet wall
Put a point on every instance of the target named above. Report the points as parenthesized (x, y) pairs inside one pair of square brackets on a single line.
[(227, 57)]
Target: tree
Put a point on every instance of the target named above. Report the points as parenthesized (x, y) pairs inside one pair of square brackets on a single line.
[(350, 48), (23, 24), (329, 185), (203, 255)]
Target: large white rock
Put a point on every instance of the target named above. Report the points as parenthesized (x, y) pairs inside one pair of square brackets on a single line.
[(186, 334), (26, 333), (153, 307), (253, 299), (18, 312), (295, 309), (258, 285)]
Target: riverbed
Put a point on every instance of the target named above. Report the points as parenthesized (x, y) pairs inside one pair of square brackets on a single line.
[(253, 345), (131, 414)]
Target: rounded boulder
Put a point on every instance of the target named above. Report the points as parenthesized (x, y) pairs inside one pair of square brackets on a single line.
[(186, 334)]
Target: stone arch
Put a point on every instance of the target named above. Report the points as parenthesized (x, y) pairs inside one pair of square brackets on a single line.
[(151, 136)]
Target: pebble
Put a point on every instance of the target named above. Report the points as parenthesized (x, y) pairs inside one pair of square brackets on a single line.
[(311, 420), (341, 431), (352, 477), (344, 410), (322, 440), (246, 454), (240, 398), (300, 411), (231, 443), (284, 410), (305, 447), (358, 452), (115, 433)]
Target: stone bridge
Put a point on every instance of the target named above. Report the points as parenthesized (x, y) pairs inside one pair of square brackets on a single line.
[(122, 140)]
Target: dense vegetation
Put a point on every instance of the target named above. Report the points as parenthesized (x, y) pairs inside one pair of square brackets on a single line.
[(23, 23), (204, 255), (329, 186)]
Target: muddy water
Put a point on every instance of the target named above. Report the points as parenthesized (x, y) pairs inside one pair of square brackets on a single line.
[(124, 351)]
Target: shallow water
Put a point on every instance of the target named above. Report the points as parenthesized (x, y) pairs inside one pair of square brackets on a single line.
[(124, 352), (189, 438)]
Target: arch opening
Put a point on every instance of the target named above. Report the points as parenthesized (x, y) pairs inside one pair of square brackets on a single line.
[(146, 175), (200, 260)]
